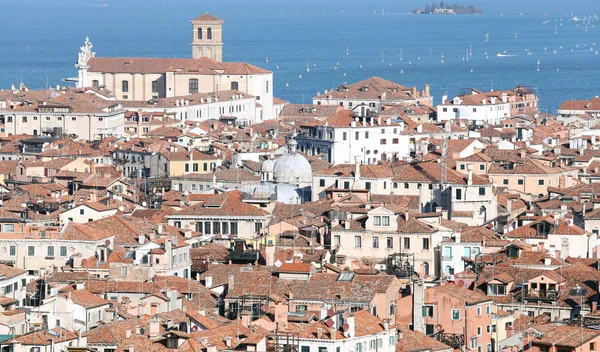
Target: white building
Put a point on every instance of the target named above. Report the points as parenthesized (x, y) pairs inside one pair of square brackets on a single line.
[(476, 107), (360, 332), (369, 97), (204, 106), (72, 112), (343, 137), (144, 79), (42, 249), (87, 212)]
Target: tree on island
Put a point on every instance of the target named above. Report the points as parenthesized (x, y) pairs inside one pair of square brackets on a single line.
[(458, 9)]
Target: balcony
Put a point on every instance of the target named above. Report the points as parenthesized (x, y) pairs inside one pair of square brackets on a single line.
[(540, 295)]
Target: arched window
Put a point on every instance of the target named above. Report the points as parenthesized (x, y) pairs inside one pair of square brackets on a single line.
[(199, 32), (95, 83), (234, 85), (209, 33), (426, 269), (434, 206), (193, 85), (35, 133)]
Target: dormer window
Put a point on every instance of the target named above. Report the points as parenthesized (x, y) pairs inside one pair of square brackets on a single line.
[(496, 290), (512, 252)]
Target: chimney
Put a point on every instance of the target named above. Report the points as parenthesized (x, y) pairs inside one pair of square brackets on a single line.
[(208, 280), (445, 214), (127, 332), (246, 319), (541, 247), (419, 128), (414, 92), (509, 206), (357, 167), (386, 324), (470, 174), (230, 282), (594, 306), (426, 90), (547, 261), (281, 315), (141, 238), (383, 95), (350, 330), (228, 341), (504, 97), (131, 348), (138, 330), (347, 224), (319, 333), (154, 328)]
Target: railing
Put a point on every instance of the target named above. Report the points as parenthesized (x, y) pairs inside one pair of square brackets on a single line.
[(540, 295), (453, 340)]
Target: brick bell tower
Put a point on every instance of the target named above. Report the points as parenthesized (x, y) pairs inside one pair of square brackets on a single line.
[(207, 37)]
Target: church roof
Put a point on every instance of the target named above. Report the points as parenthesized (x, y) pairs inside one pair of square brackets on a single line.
[(207, 17), (201, 66)]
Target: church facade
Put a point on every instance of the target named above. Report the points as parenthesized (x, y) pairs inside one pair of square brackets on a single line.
[(145, 79)]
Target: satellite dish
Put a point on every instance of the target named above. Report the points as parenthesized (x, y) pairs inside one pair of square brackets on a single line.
[(121, 208), (144, 204)]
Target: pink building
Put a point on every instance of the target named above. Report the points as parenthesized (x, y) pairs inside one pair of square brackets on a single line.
[(462, 314)]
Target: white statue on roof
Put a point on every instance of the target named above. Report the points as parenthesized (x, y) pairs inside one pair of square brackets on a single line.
[(86, 52)]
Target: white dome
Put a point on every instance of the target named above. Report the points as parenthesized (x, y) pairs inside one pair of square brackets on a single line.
[(268, 165), (287, 194), (292, 168)]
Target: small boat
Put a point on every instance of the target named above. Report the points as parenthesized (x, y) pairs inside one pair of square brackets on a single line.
[(400, 54), (335, 68), (401, 72), (344, 74), (487, 37), (359, 66), (486, 55), (410, 62), (382, 57), (314, 65), (545, 49), (503, 54), (347, 53), (554, 52), (287, 85), (307, 69), (419, 58), (299, 76), (390, 64), (267, 60), (538, 66), (277, 67), (529, 53), (471, 70)]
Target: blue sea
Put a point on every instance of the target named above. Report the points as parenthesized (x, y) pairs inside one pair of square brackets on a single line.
[(39, 42)]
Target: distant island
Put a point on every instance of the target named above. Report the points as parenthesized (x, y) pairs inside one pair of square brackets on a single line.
[(447, 9)]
